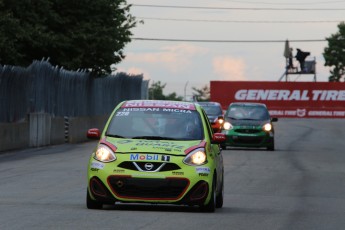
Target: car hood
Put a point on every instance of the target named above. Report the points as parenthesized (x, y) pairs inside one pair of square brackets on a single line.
[(247, 122), (120, 145)]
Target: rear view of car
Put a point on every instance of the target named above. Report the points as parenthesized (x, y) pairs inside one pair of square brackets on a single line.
[(248, 125), (161, 152), (214, 113)]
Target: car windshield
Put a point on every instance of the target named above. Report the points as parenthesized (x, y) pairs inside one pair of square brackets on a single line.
[(212, 110), (246, 112), (156, 124)]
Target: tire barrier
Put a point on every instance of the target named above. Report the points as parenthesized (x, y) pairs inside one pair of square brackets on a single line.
[(66, 121)]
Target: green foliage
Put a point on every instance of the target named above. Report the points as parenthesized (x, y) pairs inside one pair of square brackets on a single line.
[(83, 34), (202, 94), (156, 92), (334, 54)]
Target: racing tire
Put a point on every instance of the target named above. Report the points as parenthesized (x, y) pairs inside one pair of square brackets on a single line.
[(220, 196), (271, 147), (211, 206), (92, 204)]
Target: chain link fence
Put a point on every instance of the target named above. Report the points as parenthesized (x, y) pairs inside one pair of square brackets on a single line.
[(43, 88)]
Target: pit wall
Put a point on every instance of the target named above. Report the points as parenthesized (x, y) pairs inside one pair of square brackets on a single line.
[(41, 129)]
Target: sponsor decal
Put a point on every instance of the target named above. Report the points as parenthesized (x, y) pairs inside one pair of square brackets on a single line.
[(289, 95), (177, 110), (158, 104), (122, 114), (203, 170), (294, 112), (165, 158), (307, 113), (149, 175), (174, 110), (178, 173), (167, 149), (118, 171), (144, 157), (140, 109), (96, 165), (157, 144), (203, 174)]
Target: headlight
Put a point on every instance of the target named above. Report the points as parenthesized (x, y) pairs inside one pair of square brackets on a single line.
[(227, 125), (104, 154), (267, 127), (196, 157)]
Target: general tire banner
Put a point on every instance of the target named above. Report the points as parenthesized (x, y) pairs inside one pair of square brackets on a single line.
[(285, 99)]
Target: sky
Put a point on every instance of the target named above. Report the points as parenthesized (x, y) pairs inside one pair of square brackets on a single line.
[(212, 40)]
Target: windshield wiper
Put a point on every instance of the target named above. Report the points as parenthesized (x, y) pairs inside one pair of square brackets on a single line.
[(153, 138), (114, 135)]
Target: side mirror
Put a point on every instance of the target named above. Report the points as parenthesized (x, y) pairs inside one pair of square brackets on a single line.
[(94, 134), (218, 138), (274, 119)]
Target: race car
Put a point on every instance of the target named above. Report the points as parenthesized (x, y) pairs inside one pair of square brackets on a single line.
[(214, 113), (248, 125), (156, 152)]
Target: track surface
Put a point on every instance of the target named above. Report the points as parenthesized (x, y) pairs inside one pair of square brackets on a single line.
[(301, 185)]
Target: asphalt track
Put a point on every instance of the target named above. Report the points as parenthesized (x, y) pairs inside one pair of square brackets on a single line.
[(301, 185)]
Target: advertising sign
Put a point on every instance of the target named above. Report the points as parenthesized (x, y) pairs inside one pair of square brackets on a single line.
[(285, 99)]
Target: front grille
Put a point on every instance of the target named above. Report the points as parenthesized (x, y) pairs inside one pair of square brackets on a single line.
[(249, 131), (247, 140), (140, 166), (148, 188)]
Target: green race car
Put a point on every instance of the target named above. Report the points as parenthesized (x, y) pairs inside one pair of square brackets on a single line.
[(248, 125), (161, 152)]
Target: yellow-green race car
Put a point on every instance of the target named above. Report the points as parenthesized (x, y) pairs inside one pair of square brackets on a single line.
[(158, 152)]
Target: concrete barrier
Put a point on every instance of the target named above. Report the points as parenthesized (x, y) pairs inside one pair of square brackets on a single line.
[(14, 135), (42, 130)]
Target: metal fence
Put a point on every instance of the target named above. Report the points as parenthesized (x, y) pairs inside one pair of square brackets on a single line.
[(44, 88)]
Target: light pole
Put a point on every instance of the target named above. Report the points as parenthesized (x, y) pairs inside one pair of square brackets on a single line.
[(185, 87)]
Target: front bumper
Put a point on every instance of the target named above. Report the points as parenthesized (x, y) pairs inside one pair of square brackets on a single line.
[(182, 184), (241, 139), (139, 190)]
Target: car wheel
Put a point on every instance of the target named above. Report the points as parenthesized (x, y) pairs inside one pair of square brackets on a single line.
[(211, 206), (220, 196), (271, 147), (92, 204)]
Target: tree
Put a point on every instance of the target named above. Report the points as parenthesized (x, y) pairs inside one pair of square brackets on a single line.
[(334, 54), (202, 94), (156, 92), (79, 34)]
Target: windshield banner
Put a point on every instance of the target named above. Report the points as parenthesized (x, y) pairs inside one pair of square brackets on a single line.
[(285, 99)]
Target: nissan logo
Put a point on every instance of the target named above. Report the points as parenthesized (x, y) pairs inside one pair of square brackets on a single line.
[(148, 166)]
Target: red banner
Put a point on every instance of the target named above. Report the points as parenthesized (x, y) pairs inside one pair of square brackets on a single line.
[(285, 99)]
